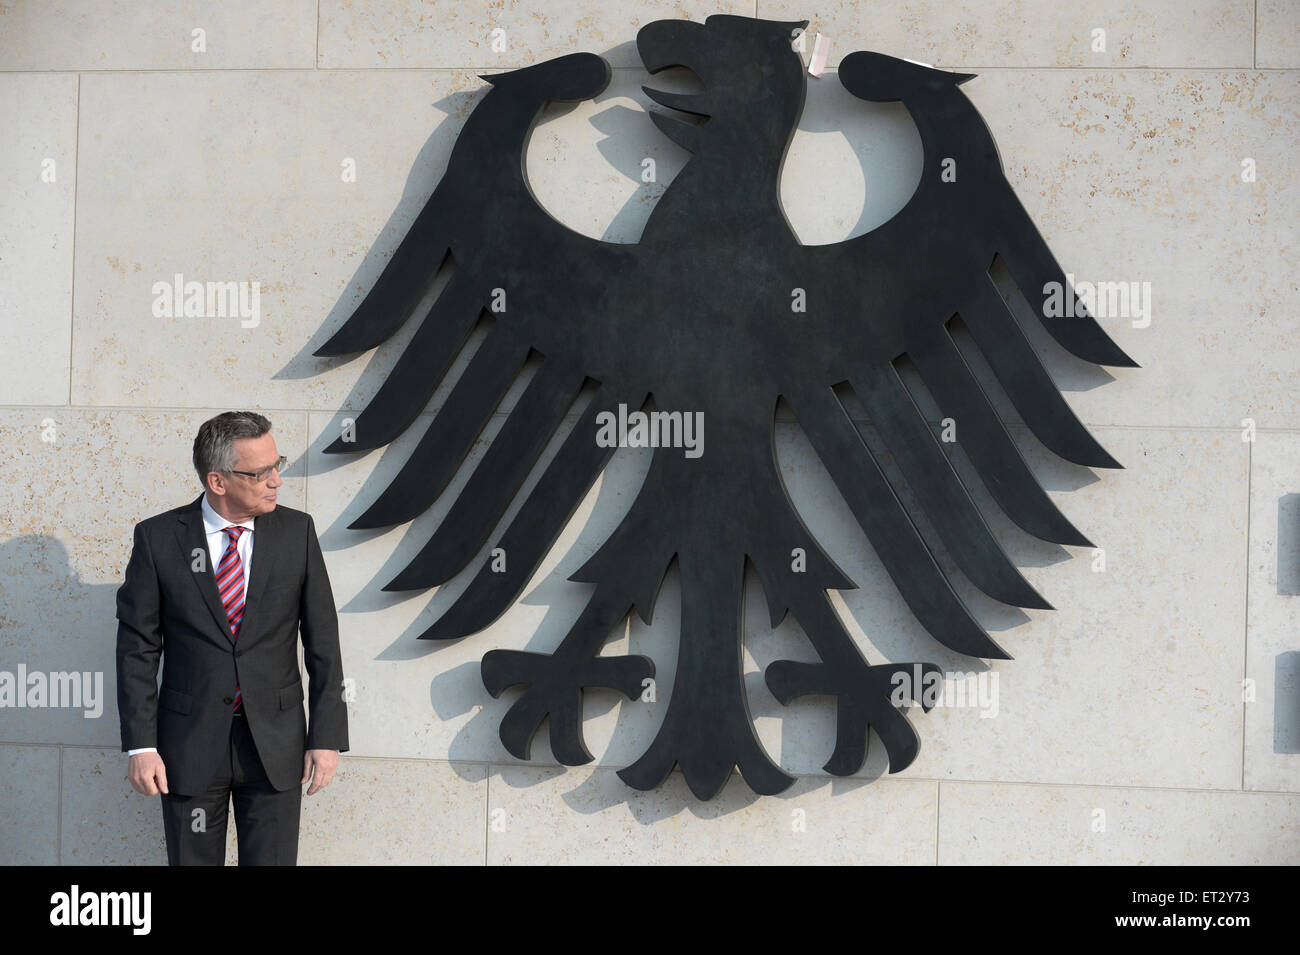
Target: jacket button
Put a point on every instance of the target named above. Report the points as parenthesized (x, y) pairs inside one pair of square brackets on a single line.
[(227, 699)]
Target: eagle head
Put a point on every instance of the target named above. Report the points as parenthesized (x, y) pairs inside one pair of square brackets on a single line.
[(753, 78)]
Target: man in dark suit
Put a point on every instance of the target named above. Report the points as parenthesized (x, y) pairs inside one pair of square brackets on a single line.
[(221, 589)]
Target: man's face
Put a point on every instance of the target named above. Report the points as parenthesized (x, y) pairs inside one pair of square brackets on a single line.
[(244, 497)]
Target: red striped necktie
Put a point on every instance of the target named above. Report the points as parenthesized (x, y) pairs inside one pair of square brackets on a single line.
[(230, 585)]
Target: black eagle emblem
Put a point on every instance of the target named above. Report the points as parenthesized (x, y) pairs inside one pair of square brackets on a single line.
[(696, 318)]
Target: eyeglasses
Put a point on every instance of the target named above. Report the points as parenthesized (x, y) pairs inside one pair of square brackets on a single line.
[(261, 475)]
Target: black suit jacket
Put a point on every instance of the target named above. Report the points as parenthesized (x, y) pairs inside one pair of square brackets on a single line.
[(169, 606)]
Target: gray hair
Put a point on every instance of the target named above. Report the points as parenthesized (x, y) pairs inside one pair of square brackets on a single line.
[(214, 446)]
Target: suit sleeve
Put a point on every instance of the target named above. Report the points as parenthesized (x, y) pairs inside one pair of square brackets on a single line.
[(139, 647), (327, 726)]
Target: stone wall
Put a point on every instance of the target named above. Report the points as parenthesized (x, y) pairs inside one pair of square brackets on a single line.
[(1153, 717)]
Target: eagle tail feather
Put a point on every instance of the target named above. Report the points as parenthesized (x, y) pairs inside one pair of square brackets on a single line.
[(888, 526), (939, 490), (526, 541), (449, 437), (1026, 382), (984, 438), (505, 466), (417, 373), (1034, 268)]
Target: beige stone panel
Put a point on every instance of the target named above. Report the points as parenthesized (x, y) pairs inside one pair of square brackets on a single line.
[(105, 821), (1136, 177), (1133, 680), (245, 178), (1272, 693), (1030, 33), (589, 816), (515, 33), (38, 164), (396, 812), (29, 817), (984, 824), (375, 812), (159, 35), (1277, 34), (68, 509)]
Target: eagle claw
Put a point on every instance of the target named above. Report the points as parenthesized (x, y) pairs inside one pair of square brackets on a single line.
[(865, 696), (554, 688)]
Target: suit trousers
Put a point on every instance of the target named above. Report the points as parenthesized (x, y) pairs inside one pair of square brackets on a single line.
[(266, 820)]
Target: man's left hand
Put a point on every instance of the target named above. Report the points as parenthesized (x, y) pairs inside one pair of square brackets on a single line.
[(318, 767)]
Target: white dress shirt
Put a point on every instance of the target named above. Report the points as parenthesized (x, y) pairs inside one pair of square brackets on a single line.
[(214, 526)]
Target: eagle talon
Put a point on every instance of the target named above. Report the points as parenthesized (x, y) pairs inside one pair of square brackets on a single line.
[(554, 688), (866, 696)]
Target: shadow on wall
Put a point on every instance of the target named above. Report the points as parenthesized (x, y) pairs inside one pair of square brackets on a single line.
[(56, 623), (58, 684), (1286, 672)]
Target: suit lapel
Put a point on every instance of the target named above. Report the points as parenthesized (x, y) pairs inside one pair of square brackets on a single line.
[(192, 536), (266, 552)]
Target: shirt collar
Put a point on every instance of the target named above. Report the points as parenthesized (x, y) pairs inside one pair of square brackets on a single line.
[(214, 523)]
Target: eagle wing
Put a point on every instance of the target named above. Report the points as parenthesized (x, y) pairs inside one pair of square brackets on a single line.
[(903, 284), (541, 284)]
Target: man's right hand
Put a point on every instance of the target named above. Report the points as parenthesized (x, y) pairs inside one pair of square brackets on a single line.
[(147, 774)]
